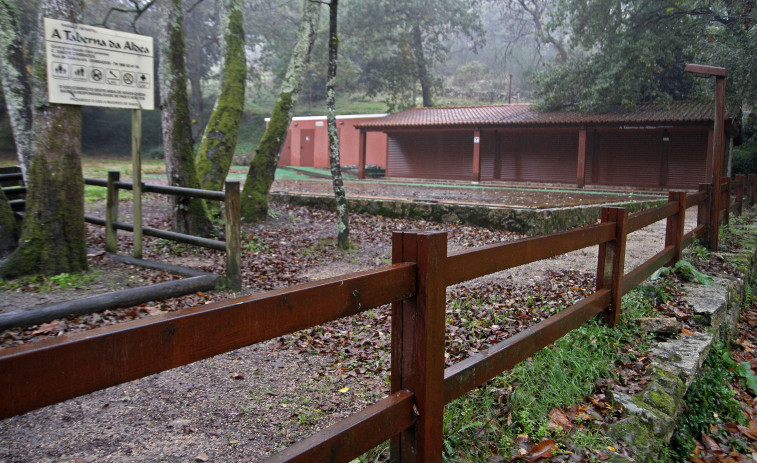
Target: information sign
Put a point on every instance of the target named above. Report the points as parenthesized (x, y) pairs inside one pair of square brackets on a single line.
[(93, 66)]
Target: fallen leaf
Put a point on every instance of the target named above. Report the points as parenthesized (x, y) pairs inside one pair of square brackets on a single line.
[(543, 449), (344, 389), (202, 456), (687, 332), (558, 419)]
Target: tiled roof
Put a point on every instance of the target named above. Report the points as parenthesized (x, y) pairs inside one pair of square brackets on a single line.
[(522, 114)]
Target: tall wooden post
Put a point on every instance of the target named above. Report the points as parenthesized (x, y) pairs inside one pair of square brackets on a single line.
[(725, 202), (703, 212), (718, 137), (476, 155), (740, 181), (136, 179), (752, 181), (111, 212), (611, 263), (581, 172), (418, 345), (361, 155), (233, 246), (675, 226)]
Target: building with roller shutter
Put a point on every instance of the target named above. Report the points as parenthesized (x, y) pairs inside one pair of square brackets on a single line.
[(651, 146)]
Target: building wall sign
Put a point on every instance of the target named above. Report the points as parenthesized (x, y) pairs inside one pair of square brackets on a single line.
[(93, 66)]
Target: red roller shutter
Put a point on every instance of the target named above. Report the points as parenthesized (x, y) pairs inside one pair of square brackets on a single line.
[(630, 158), (539, 157), (687, 159), (442, 155)]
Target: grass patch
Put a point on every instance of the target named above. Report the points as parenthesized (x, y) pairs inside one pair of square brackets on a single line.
[(489, 419), (93, 194), (44, 284)]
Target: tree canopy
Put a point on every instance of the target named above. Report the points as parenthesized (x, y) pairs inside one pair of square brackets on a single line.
[(626, 52)]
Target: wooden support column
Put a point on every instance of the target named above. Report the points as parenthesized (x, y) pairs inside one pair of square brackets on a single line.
[(752, 181), (703, 212), (725, 203), (111, 212), (136, 180), (740, 181), (674, 230), (361, 155), (477, 155), (233, 244), (611, 262), (581, 174), (418, 345)]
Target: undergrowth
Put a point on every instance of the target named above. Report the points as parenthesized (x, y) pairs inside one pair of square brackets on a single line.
[(44, 284), (709, 400), (490, 419)]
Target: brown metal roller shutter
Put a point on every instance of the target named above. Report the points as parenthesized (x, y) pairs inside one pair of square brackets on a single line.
[(687, 159), (539, 157), (631, 158), (488, 150), (442, 155)]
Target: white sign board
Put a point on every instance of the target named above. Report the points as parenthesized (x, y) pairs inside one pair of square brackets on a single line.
[(92, 66)]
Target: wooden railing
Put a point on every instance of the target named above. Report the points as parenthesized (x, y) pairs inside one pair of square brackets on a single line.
[(230, 197), (49, 371)]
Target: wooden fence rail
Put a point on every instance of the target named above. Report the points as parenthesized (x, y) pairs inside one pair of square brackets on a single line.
[(49, 371), (230, 196)]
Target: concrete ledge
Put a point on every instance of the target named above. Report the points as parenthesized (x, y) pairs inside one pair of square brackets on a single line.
[(652, 413), (518, 220)]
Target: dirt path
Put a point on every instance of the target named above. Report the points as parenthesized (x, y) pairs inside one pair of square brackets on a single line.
[(246, 404)]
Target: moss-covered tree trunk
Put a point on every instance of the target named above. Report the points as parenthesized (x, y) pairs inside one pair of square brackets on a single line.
[(342, 214), (52, 235), (263, 166), (8, 228), (220, 138), (15, 79), (189, 215)]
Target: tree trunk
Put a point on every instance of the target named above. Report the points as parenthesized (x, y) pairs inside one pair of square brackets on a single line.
[(189, 214), (422, 72), (220, 139), (16, 83), (8, 228), (194, 71), (52, 235), (342, 214), (263, 166)]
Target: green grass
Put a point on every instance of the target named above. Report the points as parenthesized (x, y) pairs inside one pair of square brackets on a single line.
[(44, 284), (489, 419)]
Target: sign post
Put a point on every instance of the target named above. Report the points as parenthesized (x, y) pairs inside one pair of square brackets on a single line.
[(93, 66)]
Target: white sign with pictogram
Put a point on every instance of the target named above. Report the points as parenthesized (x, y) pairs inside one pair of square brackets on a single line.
[(92, 66)]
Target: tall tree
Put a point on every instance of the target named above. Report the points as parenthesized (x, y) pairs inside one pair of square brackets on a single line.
[(636, 51), (342, 214), (189, 214), (254, 200), (220, 138), (52, 236), (15, 75), (403, 42)]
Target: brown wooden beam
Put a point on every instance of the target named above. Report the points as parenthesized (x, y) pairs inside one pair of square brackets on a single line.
[(361, 155), (581, 174), (477, 155)]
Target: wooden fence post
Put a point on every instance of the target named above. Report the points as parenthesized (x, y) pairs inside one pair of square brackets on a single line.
[(674, 230), (111, 212), (233, 247), (418, 345), (611, 264), (740, 180), (726, 202), (752, 181), (704, 215)]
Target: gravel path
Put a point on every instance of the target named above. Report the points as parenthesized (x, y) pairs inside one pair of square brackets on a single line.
[(240, 406)]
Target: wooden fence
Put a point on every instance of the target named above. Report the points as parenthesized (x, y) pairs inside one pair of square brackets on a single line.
[(230, 197), (53, 370)]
